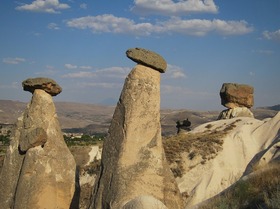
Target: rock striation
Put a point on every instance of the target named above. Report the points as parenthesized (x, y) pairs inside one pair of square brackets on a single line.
[(147, 58), (46, 84), (38, 170), (133, 162), (238, 98)]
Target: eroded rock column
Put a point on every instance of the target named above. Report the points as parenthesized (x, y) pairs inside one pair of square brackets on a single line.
[(42, 167), (133, 160)]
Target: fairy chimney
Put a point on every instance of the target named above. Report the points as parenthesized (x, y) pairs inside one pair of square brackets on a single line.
[(38, 170), (133, 161)]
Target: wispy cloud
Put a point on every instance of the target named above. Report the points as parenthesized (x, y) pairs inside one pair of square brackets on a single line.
[(14, 61), (70, 66), (174, 71), (100, 84), (272, 35), (83, 6), (46, 6), (117, 72), (81, 74), (73, 67), (85, 67), (169, 7), (112, 72), (108, 23), (53, 26)]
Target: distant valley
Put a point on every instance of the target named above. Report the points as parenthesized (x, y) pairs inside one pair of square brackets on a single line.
[(92, 118)]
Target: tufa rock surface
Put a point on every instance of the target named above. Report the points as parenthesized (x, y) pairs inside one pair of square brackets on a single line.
[(133, 160), (147, 58), (38, 170), (46, 84), (144, 202), (236, 112), (237, 95), (245, 144)]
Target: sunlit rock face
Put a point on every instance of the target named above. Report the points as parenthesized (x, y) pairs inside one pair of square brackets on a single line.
[(39, 170), (133, 161)]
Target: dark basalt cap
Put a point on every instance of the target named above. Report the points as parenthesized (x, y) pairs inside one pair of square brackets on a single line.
[(147, 58), (46, 84)]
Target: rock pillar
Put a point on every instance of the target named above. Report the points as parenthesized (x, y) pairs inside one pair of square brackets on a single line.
[(39, 170), (133, 161)]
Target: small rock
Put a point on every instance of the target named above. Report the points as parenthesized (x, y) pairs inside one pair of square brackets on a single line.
[(147, 58), (46, 84)]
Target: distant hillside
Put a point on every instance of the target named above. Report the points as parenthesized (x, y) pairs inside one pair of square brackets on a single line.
[(92, 118), (275, 107)]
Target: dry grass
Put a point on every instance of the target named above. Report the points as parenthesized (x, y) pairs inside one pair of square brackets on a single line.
[(203, 146), (261, 191)]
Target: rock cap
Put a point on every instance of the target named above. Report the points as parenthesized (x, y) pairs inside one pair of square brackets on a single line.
[(147, 58), (46, 84), (237, 95)]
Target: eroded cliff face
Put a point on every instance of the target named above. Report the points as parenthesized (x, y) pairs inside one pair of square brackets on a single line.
[(243, 142), (133, 160), (39, 170)]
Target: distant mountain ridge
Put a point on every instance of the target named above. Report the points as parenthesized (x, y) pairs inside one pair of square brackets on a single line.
[(92, 118), (274, 107)]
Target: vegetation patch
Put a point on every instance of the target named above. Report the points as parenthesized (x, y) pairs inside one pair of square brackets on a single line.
[(203, 146), (261, 191), (84, 140), (93, 168)]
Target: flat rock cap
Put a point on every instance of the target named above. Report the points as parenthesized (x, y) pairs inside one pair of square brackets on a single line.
[(147, 58), (46, 84)]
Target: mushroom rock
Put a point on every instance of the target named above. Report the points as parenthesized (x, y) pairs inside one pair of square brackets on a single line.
[(238, 98), (133, 161), (38, 170)]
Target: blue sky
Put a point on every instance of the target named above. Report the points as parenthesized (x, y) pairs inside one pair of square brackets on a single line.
[(82, 45)]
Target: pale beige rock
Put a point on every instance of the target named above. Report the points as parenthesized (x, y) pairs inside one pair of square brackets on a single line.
[(246, 139), (133, 160), (144, 202), (235, 112), (44, 175)]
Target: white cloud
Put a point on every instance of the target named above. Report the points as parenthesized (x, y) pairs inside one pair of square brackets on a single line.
[(70, 66), (199, 27), (118, 72), (169, 7), (101, 85), (81, 74), (85, 67), (83, 6), (110, 24), (111, 72), (53, 26), (13, 61), (175, 72), (274, 35), (46, 6)]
